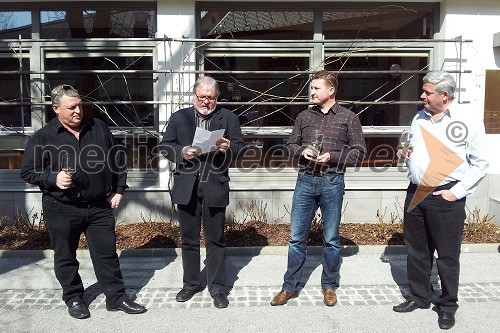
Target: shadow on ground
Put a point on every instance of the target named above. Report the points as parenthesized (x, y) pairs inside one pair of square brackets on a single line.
[(136, 271), (397, 263)]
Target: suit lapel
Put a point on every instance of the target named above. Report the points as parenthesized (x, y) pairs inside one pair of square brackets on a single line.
[(190, 122), (216, 121)]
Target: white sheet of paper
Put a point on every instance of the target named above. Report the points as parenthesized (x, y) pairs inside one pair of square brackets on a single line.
[(205, 140)]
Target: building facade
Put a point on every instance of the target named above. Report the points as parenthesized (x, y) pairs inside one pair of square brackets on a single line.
[(135, 62)]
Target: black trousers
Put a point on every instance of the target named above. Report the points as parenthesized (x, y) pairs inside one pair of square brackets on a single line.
[(435, 224), (65, 223), (190, 219)]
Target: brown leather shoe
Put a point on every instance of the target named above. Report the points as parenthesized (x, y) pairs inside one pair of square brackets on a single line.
[(283, 297), (329, 297)]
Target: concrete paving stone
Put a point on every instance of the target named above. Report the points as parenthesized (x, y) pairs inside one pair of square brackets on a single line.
[(369, 287), (352, 296)]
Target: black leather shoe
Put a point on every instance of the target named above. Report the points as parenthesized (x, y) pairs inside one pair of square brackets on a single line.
[(446, 320), (186, 294), (129, 307), (220, 300), (78, 310), (409, 306)]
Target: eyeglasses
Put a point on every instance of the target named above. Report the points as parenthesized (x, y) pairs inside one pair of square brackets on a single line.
[(203, 98), (60, 90)]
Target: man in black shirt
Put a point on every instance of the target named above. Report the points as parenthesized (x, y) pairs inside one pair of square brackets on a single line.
[(79, 168)]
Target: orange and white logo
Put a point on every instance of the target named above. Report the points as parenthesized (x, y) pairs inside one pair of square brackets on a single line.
[(443, 161)]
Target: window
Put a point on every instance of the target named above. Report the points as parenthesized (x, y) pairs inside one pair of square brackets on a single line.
[(275, 23), (14, 24), (370, 80), (115, 98), (98, 22), (378, 21), (108, 94), (369, 84), (266, 83), (14, 88), (492, 102), (114, 76), (270, 93)]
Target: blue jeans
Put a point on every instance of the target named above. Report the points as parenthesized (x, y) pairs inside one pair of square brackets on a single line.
[(311, 192)]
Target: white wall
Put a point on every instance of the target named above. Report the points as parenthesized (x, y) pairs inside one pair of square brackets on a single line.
[(176, 19), (478, 21)]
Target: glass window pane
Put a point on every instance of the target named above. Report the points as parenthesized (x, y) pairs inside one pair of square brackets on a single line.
[(105, 87), (389, 86), (492, 102), (140, 151), (258, 88), (377, 21), (269, 153), (257, 24), (82, 22), (14, 88), (381, 152), (15, 24), (11, 158)]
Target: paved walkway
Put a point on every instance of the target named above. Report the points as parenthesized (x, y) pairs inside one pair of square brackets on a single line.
[(30, 297)]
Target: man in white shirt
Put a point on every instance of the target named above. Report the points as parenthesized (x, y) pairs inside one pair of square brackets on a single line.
[(447, 159)]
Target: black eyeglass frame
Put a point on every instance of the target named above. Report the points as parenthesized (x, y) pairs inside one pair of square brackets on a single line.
[(210, 99)]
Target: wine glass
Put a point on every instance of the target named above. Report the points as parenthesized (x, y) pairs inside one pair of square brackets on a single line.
[(317, 141), (67, 164), (404, 142)]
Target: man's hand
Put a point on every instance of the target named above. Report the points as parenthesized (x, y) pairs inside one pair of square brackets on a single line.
[(446, 194), (404, 153), (223, 145), (114, 200), (63, 180), (312, 156), (189, 152), (309, 154), (323, 158)]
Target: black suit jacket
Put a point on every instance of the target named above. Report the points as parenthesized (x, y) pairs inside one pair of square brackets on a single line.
[(212, 168)]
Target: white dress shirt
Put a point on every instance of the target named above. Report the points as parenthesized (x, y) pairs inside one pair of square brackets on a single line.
[(460, 132)]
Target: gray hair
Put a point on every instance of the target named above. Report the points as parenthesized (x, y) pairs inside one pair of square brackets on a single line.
[(443, 81), (207, 81), (63, 90)]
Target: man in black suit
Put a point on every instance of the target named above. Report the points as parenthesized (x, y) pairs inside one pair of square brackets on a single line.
[(201, 187)]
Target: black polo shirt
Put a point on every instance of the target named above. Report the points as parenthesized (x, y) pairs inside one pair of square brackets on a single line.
[(97, 160)]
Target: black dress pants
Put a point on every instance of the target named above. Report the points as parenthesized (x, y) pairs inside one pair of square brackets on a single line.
[(190, 219), (65, 223), (434, 224)]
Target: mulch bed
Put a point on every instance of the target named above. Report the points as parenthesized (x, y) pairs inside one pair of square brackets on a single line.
[(166, 235)]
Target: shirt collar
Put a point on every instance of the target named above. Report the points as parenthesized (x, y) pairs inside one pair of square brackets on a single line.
[(453, 110), (58, 127), (443, 114), (203, 117), (333, 109)]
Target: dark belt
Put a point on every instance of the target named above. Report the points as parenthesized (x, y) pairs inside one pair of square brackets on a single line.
[(103, 203), (412, 188), (317, 173)]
